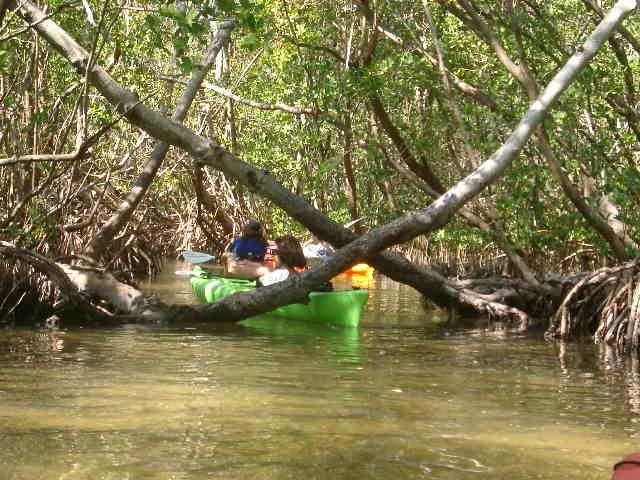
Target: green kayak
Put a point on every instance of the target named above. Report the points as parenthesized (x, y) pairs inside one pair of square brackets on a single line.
[(340, 308)]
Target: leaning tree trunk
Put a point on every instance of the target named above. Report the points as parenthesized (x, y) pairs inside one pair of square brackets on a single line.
[(522, 73), (367, 246), (208, 152), (119, 219)]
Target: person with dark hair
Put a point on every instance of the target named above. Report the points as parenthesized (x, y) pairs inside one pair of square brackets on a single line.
[(290, 253), (290, 260), (245, 256), (251, 245)]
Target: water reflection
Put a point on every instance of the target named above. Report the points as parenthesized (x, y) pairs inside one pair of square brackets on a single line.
[(342, 344), (32, 346), (396, 398), (623, 367)]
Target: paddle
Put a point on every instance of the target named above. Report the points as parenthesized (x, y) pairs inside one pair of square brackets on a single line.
[(353, 222), (197, 257), (188, 273)]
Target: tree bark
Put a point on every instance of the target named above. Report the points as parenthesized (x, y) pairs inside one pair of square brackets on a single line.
[(56, 274), (352, 186), (98, 244), (635, 43)]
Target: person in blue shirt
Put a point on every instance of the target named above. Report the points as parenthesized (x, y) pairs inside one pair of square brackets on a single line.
[(251, 245)]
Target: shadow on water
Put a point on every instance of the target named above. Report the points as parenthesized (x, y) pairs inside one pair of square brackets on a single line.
[(402, 396)]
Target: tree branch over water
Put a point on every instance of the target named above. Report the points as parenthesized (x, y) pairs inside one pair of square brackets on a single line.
[(210, 153), (353, 249), (110, 229)]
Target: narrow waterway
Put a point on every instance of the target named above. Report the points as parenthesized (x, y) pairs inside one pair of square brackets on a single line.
[(403, 396)]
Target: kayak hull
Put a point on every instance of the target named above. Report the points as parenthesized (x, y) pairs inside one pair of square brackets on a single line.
[(339, 308), (628, 468)]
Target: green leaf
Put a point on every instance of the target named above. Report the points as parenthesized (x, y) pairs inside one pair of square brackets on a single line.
[(169, 11), (186, 65), (226, 6), (250, 42), (4, 60)]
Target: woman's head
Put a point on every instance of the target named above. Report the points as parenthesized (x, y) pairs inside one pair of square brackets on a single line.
[(290, 252), (253, 228)]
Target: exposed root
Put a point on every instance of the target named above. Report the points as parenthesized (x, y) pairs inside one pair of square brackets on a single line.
[(607, 302), (70, 292), (85, 290), (493, 307)]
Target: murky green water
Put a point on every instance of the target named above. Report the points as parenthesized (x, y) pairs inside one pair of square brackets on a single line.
[(400, 397)]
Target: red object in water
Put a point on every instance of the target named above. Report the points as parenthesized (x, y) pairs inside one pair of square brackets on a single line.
[(628, 468)]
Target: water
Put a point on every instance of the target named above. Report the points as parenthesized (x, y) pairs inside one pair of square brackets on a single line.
[(401, 397)]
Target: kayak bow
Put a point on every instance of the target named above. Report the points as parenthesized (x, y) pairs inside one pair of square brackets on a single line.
[(338, 308), (360, 269)]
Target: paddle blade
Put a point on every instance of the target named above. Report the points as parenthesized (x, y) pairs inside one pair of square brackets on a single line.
[(187, 273), (353, 222), (197, 257)]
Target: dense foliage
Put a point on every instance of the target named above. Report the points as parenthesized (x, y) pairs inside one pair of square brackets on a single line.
[(306, 78)]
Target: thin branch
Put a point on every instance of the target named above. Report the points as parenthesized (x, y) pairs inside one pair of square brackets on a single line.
[(89, 220), (138, 9), (322, 48), (479, 95), (59, 157), (48, 181), (260, 106), (622, 29), (83, 151), (4, 4)]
